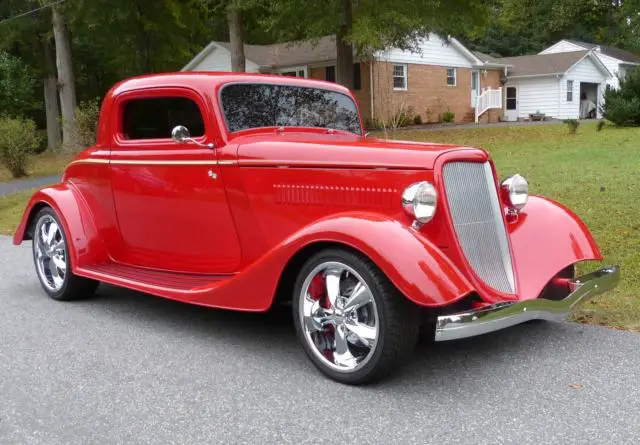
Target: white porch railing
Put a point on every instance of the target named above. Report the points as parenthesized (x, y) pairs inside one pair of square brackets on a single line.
[(487, 100)]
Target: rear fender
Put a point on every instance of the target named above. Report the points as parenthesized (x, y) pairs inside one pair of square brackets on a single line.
[(546, 238), (84, 243)]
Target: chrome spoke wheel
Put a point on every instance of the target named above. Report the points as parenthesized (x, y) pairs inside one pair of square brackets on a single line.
[(50, 253), (339, 317)]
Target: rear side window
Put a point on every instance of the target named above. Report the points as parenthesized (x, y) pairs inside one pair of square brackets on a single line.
[(154, 118)]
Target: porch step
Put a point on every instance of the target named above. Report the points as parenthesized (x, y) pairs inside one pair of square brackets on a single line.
[(119, 274)]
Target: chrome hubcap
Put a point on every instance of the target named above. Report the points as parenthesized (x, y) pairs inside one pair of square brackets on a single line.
[(50, 253), (339, 316)]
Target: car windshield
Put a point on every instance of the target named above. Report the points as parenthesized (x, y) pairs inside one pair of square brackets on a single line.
[(248, 105)]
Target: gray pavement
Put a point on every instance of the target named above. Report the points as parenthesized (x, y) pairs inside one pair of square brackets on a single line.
[(128, 368), (26, 184)]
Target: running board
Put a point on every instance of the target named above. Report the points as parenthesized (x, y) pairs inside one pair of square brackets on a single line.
[(149, 280)]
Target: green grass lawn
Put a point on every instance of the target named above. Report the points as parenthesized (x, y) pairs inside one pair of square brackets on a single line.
[(11, 209), (45, 164), (596, 174)]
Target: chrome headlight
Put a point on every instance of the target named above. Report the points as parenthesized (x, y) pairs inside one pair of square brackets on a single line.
[(419, 200), (517, 190)]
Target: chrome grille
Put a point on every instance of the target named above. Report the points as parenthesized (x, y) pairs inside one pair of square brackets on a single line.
[(477, 219)]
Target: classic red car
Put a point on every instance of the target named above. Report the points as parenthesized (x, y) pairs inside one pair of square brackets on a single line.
[(242, 191)]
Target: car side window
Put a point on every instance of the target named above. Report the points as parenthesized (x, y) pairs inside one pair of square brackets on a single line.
[(155, 117)]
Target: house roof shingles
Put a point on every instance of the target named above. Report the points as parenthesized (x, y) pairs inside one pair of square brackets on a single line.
[(486, 57), (290, 53), (611, 51), (542, 64)]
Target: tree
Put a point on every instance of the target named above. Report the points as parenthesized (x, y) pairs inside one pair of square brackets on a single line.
[(628, 18), (66, 79), (592, 21), (364, 26), (29, 38), (235, 11), (236, 40), (17, 86), (52, 110)]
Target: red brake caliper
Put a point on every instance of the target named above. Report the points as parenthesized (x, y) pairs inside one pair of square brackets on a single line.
[(318, 292)]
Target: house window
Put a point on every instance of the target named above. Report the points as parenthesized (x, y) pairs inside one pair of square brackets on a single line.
[(294, 72), (154, 118), (399, 77), (569, 90), (330, 75), (451, 77), (357, 81)]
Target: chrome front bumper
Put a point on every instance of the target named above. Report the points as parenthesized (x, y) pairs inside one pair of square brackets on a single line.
[(502, 315)]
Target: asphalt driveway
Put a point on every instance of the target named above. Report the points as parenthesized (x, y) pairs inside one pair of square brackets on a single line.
[(128, 368), (26, 184)]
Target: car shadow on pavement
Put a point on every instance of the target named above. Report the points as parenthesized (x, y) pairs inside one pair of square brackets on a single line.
[(266, 334)]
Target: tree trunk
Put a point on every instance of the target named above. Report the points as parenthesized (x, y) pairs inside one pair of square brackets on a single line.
[(51, 97), (236, 40), (66, 80), (344, 49)]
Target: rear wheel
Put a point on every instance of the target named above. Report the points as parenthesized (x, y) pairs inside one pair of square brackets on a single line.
[(353, 323), (51, 259)]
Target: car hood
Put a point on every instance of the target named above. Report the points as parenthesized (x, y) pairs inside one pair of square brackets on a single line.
[(341, 151)]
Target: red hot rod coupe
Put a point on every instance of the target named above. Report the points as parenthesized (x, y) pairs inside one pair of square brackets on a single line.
[(241, 191)]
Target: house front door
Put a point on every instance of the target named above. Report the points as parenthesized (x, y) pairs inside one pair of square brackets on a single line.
[(511, 113), (475, 87)]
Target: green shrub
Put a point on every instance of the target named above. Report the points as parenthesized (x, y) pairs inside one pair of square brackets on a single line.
[(373, 124), (18, 139), (622, 106), (417, 119), (406, 117), (572, 125), (448, 116), (600, 125), (87, 114)]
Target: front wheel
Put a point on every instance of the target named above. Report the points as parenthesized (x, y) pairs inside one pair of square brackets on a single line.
[(353, 323), (51, 259)]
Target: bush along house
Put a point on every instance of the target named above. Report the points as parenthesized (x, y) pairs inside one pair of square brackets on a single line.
[(439, 81)]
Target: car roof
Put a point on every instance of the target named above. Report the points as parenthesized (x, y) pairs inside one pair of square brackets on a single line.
[(204, 81)]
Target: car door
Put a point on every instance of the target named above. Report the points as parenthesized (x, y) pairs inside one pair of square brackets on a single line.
[(169, 198)]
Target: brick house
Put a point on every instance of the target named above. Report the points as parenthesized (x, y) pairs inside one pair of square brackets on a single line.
[(440, 75)]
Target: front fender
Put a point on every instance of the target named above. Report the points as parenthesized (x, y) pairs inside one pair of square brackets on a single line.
[(84, 244), (413, 264), (546, 238), (419, 269)]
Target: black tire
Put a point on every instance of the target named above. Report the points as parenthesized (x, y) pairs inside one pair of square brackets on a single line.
[(73, 287), (397, 318), (427, 336)]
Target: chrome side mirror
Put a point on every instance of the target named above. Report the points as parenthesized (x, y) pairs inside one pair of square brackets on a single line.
[(180, 135)]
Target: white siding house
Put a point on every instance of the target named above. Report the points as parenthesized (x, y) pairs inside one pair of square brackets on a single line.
[(217, 57), (617, 61), (553, 84), (532, 95), (433, 51)]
